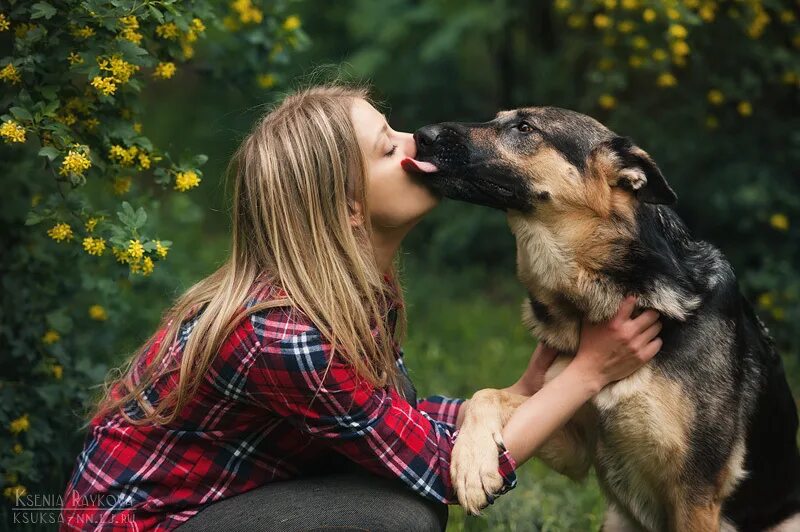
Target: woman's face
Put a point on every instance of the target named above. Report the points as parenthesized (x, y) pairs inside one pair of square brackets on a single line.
[(395, 198)]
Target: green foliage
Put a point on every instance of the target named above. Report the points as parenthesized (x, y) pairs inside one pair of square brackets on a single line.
[(85, 188)]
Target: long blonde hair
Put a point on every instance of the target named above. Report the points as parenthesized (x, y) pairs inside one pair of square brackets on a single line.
[(296, 177)]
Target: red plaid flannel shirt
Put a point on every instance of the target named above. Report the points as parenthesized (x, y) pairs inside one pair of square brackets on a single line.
[(269, 408)]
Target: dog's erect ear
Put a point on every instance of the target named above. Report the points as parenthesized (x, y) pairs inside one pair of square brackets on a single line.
[(636, 171)]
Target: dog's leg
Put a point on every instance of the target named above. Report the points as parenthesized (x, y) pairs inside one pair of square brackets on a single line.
[(474, 461)]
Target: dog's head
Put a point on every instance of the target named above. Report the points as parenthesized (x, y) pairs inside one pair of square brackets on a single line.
[(537, 156)]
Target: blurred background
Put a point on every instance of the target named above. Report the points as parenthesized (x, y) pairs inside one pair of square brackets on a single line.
[(119, 118)]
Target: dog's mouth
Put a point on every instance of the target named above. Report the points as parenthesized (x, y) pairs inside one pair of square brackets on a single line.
[(418, 167), (472, 183)]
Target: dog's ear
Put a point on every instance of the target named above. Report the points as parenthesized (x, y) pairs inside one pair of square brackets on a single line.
[(634, 169)]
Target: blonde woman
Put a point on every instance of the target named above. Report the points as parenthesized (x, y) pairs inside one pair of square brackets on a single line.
[(273, 395)]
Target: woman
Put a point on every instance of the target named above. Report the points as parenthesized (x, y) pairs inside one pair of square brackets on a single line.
[(285, 365)]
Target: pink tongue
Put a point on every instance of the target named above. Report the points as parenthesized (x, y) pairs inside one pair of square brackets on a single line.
[(413, 165)]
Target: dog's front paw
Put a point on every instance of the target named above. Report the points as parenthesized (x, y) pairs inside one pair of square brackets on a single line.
[(474, 468)]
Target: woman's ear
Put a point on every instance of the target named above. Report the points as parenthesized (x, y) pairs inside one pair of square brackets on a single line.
[(356, 213)]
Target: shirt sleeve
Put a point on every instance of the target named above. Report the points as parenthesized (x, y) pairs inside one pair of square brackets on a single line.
[(374, 427), (439, 407)]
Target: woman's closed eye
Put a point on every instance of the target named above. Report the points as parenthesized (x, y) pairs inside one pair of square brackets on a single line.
[(391, 152)]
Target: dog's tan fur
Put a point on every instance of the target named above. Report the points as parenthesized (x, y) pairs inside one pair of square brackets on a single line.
[(561, 245)]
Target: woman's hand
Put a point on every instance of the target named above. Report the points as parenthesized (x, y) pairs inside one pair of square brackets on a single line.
[(613, 350), (532, 379)]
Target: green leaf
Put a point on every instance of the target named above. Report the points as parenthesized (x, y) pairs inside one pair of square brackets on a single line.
[(49, 152), (156, 14), (140, 219), (59, 320), (42, 10), (33, 218), (21, 113), (200, 160)]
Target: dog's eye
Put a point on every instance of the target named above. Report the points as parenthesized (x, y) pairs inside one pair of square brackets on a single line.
[(524, 127)]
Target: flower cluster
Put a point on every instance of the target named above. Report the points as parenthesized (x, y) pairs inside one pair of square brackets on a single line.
[(76, 161), (11, 131), (186, 180)]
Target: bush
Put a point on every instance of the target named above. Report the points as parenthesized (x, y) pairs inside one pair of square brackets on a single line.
[(81, 176)]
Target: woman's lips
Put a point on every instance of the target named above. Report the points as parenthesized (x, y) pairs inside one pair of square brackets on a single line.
[(423, 167)]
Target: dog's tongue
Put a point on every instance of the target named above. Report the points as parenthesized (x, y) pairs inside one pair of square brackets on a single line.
[(413, 165)]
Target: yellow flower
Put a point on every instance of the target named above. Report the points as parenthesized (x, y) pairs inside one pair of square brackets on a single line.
[(787, 16), (74, 58), (715, 97), (602, 21), (91, 123), (563, 5), (98, 313), (121, 185), (58, 371), (147, 266), (21, 424), (680, 48), (745, 108), (666, 79), (4, 22), (707, 12), (607, 101), (121, 255), (83, 32), (610, 4), (135, 250), (76, 162), (266, 81), (778, 313), (137, 127), (164, 70), (186, 180), (673, 13), (36, 199), (60, 232), (677, 31), (247, 13), (144, 161), (630, 4), (17, 448), (11, 74), (50, 337), (198, 26), (635, 61), (15, 492), (649, 15), (123, 156), (639, 42), (11, 131), (129, 26), (161, 250), (94, 246), (712, 122), (167, 30), (291, 23), (576, 20), (659, 54), (779, 221), (626, 26), (105, 85), (188, 50), (121, 70)]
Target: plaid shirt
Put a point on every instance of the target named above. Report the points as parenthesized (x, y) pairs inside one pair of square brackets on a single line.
[(269, 408)]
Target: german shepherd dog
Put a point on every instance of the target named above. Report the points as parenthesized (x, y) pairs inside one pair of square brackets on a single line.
[(701, 438)]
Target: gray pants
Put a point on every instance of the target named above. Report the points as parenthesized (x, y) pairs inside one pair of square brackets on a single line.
[(340, 501)]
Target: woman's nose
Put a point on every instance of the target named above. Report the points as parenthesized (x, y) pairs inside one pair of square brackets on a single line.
[(409, 145)]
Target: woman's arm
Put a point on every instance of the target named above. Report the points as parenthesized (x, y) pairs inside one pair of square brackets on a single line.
[(297, 379), (608, 352)]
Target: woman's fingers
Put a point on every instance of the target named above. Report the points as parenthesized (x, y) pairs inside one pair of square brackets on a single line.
[(644, 320), (546, 354), (625, 310), (650, 350)]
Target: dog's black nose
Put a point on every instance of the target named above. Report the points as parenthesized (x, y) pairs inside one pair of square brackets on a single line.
[(426, 136)]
